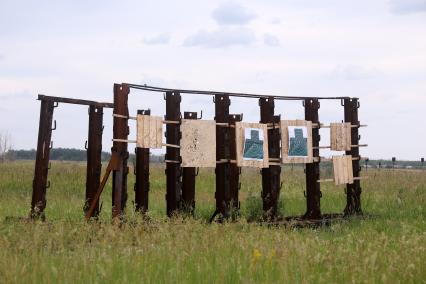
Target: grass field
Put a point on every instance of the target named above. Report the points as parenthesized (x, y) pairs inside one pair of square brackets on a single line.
[(388, 245)]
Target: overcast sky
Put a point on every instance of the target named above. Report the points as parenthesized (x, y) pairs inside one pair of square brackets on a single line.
[(374, 50)]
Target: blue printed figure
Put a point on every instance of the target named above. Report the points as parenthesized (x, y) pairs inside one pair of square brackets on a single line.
[(253, 146), (298, 144)]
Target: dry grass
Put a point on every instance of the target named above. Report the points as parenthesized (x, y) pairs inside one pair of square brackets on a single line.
[(388, 247)]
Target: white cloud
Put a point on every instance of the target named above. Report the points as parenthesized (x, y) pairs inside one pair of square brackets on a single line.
[(158, 39), (232, 13), (271, 40), (329, 48), (353, 72), (276, 21), (407, 6), (221, 38)]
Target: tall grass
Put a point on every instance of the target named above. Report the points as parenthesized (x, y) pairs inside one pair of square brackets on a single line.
[(387, 246)]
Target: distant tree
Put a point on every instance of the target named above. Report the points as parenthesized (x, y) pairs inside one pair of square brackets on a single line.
[(5, 146)]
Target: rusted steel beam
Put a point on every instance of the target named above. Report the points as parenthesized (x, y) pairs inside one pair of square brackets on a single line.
[(40, 184), (75, 101), (223, 170), (230, 94), (188, 179), (313, 190), (94, 153), (353, 191), (234, 170), (114, 164), (120, 131), (271, 176), (142, 175), (173, 159)]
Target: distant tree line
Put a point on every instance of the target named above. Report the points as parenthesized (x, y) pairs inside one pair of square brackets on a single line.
[(67, 154)]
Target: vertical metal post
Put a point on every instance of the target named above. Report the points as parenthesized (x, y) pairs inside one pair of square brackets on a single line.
[(223, 170), (94, 153), (313, 190), (188, 179), (142, 175), (120, 131), (38, 200), (353, 191), (234, 171), (173, 166), (271, 176)]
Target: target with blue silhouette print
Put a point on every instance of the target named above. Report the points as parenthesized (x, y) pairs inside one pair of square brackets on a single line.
[(296, 138), (298, 141), (252, 145)]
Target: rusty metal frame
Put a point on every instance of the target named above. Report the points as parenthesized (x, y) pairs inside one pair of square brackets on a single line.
[(120, 131), (44, 144), (141, 171), (180, 196), (188, 179), (223, 170), (313, 190), (234, 171), (173, 159), (271, 176), (94, 156), (353, 191)]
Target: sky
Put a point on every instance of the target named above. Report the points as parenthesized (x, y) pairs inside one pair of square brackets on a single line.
[(374, 50)]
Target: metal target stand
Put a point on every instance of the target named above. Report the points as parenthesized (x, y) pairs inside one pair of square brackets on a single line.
[(180, 189)]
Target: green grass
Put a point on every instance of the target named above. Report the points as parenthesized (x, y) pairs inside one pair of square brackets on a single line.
[(387, 247)]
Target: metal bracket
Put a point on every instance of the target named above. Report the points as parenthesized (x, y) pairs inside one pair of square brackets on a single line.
[(51, 145), (56, 104), (48, 184), (85, 145), (54, 125)]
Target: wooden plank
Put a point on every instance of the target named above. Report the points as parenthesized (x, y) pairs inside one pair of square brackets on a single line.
[(336, 169), (146, 131), (350, 169), (342, 169), (197, 144), (149, 131), (240, 138), (159, 130), (340, 136), (285, 142), (152, 132)]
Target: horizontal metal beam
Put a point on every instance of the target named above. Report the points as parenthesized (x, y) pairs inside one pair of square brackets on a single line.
[(74, 101), (212, 93)]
